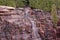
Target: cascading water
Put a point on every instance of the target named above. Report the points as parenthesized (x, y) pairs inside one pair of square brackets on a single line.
[(35, 35)]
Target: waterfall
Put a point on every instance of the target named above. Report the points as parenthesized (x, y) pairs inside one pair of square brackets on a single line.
[(35, 35)]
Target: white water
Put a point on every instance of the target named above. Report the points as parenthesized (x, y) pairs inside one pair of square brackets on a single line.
[(35, 35)]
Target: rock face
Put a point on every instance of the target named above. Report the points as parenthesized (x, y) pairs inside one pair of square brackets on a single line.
[(28, 24)]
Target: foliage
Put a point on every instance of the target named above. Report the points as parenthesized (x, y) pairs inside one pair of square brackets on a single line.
[(41, 4), (54, 14)]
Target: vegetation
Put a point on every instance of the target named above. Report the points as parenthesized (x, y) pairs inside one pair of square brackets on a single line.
[(54, 15), (41, 4)]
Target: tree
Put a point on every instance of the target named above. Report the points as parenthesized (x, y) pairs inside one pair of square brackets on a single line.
[(54, 15)]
